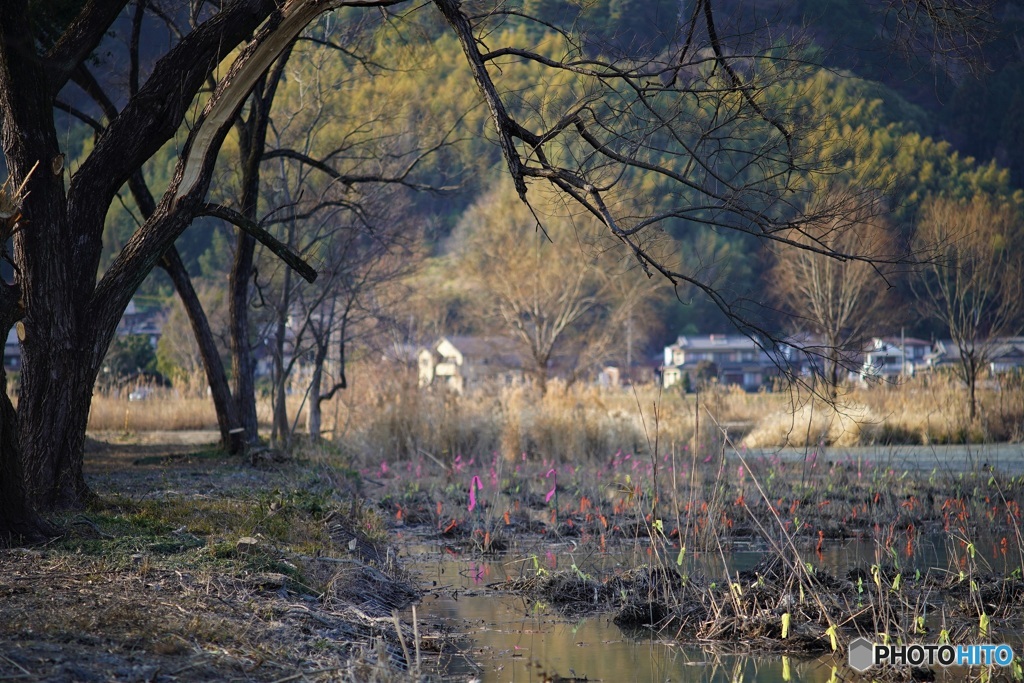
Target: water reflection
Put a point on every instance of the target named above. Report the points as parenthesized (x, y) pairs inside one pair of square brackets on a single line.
[(509, 640), (512, 639)]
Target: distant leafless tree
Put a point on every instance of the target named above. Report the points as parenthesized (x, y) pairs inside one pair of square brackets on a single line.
[(947, 33), (316, 326), (555, 290), (973, 284), (840, 301)]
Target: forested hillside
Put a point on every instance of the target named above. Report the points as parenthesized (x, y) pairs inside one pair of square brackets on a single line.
[(898, 116)]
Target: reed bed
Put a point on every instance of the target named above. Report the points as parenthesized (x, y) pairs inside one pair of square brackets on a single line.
[(385, 414)]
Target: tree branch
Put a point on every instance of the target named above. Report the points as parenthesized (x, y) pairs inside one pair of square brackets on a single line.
[(155, 114), (283, 251), (80, 39)]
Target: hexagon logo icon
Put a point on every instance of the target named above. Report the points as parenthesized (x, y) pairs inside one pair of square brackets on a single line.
[(861, 654)]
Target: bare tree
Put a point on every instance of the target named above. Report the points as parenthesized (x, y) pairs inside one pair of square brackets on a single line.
[(556, 289), (840, 301), (972, 285), (355, 304), (334, 191), (948, 33), (706, 123), (315, 327)]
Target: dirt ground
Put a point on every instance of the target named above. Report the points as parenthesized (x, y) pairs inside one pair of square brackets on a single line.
[(194, 567)]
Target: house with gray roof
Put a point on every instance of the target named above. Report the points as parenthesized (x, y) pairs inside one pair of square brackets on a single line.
[(729, 359), (460, 362)]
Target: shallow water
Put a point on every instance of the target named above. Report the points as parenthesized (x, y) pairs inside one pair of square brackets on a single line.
[(511, 641), (1004, 457), (507, 638)]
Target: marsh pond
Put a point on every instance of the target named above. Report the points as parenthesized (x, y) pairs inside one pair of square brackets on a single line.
[(729, 565)]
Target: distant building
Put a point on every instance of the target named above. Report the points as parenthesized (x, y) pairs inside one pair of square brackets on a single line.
[(891, 357), (135, 321), (731, 359), (459, 362), (1005, 354)]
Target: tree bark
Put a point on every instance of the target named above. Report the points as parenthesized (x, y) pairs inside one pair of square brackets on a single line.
[(19, 522), (314, 416), (232, 440), (252, 146), (244, 388), (281, 427), (57, 375)]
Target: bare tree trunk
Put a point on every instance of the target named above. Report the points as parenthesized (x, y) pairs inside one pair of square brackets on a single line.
[(314, 417), (18, 521), (58, 369), (252, 146), (244, 388), (972, 412), (252, 141), (972, 384), (53, 430), (833, 372), (227, 415), (542, 378), (231, 440), (281, 427)]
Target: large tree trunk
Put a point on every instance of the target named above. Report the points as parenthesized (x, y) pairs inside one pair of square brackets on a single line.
[(69, 318), (57, 270), (18, 521), (244, 389), (53, 423), (231, 433)]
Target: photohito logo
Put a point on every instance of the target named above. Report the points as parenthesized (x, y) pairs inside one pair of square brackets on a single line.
[(864, 654)]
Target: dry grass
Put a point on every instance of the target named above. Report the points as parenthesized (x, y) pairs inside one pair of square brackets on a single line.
[(191, 568), (161, 411), (385, 415)]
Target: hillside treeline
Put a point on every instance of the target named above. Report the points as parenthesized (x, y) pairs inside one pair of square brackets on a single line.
[(392, 99)]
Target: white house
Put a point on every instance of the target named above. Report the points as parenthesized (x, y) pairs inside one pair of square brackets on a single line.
[(458, 362), (733, 359), (891, 357)]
